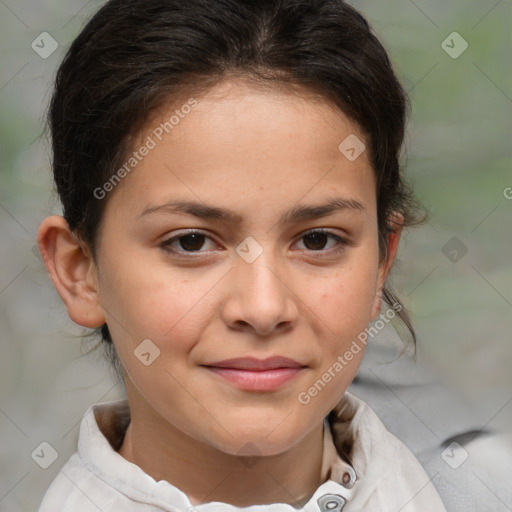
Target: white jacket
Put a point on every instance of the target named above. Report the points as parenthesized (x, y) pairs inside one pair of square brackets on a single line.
[(384, 476)]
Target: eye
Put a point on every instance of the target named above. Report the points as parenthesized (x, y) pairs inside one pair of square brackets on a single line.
[(190, 242), (315, 240), (186, 243)]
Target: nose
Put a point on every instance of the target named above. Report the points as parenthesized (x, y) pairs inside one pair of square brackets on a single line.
[(260, 300)]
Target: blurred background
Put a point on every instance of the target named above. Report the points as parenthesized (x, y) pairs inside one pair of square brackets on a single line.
[(454, 273)]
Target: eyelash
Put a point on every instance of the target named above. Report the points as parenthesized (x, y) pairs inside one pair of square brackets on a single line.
[(342, 242)]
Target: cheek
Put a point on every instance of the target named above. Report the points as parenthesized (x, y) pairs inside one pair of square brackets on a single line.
[(345, 299), (343, 305), (144, 301)]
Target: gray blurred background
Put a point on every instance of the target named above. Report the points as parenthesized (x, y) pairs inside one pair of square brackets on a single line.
[(454, 273)]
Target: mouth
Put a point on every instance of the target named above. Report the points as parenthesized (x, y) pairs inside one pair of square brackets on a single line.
[(254, 374)]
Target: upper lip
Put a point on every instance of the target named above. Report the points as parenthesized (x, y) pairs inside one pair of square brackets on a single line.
[(253, 363)]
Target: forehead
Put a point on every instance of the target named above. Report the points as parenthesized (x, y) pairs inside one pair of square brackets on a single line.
[(249, 147)]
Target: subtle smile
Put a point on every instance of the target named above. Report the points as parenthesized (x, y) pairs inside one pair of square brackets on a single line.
[(257, 375)]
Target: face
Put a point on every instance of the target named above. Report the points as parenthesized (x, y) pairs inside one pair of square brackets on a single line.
[(247, 269)]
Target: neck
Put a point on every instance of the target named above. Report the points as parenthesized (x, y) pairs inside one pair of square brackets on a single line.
[(206, 474)]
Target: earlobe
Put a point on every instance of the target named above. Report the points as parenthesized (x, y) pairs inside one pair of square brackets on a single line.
[(376, 304), (72, 271), (393, 240)]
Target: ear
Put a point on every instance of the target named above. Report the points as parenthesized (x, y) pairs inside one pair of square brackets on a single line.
[(72, 271), (396, 220)]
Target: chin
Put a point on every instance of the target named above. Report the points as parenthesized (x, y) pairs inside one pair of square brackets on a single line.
[(258, 442), (251, 447)]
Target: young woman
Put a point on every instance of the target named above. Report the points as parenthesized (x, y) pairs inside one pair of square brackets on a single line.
[(232, 206)]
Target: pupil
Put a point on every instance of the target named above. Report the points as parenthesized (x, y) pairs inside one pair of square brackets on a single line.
[(318, 239), (192, 242), (195, 241)]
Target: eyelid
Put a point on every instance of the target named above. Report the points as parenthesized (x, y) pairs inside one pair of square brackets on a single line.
[(191, 231), (343, 241), (328, 231)]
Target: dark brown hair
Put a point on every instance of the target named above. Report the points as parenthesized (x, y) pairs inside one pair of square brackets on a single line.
[(134, 56)]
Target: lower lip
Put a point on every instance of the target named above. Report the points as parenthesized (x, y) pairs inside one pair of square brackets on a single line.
[(263, 380)]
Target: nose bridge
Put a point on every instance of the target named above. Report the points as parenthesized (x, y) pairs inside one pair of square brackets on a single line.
[(258, 268), (262, 297)]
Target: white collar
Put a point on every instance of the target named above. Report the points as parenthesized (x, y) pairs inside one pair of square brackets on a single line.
[(106, 423)]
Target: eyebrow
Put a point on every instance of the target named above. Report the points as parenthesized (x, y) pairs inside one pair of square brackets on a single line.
[(296, 214)]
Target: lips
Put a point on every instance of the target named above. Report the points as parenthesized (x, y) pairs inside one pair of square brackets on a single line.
[(254, 364), (254, 374)]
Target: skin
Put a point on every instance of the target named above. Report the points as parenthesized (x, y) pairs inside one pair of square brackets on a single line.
[(259, 153)]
